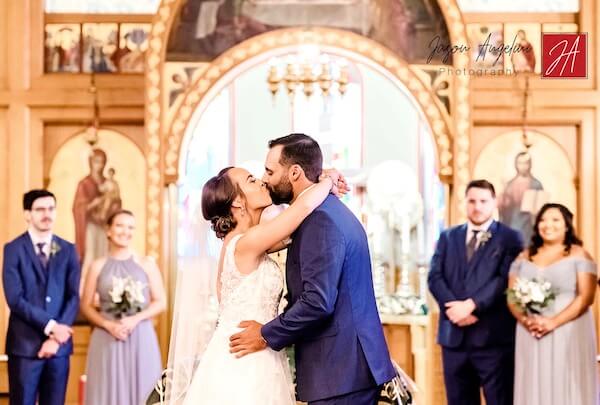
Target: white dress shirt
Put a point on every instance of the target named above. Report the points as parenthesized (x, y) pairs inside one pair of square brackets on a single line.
[(47, 241)]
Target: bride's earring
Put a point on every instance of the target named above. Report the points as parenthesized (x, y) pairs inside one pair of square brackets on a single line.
[(243, 211)]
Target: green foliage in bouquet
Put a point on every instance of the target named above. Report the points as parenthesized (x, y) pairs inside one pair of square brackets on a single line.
[(127, 297), (531, 296)]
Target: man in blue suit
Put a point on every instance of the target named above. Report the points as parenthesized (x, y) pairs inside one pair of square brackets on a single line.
[(331, 318), (468, 277), (41, 284)]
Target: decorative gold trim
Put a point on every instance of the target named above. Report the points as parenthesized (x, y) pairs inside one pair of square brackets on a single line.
[(154, 65), (462, 108), (454, 152), (289, 37)]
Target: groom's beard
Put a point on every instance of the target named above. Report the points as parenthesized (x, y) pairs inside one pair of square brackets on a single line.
[(282, 193)]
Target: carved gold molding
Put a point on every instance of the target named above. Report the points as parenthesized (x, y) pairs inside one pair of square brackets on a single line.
[(344, 40), (155, 56), (462, 106), (453, 151)]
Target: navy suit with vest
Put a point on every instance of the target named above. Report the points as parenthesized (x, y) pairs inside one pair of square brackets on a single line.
[(331, 318), (482, 354), (37, 293)]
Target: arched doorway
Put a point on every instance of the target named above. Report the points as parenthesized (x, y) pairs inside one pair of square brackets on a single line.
[(166, 122), (160, 144), (230, 123)]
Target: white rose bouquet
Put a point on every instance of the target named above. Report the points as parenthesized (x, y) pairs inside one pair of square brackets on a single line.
[(127, 296), (531, 296)]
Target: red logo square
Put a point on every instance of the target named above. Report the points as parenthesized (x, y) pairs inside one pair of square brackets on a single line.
[(564, 55)]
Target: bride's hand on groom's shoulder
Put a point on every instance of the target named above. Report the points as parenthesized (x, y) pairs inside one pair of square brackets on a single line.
[(247, 341), (340, 186)]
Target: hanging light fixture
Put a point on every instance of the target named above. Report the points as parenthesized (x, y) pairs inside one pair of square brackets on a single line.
[(524, 115), (306, 70), (91, 133)]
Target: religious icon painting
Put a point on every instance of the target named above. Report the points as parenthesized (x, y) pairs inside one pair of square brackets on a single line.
[(133, 42), (486, 42), (61, 46), (99, 47), (524, 41)]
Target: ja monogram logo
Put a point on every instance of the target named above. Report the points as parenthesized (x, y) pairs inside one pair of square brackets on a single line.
[(564, 55)]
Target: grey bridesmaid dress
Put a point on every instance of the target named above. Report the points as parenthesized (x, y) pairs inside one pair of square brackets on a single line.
[(560, 368), (121, 372)]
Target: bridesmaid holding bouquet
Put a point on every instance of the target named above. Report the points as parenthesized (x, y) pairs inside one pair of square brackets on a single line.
[(555, 353)]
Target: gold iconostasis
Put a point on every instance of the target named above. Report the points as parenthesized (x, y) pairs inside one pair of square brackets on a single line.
[(183, 88)]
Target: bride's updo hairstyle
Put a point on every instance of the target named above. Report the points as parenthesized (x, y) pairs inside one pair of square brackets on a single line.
[(217, 196)]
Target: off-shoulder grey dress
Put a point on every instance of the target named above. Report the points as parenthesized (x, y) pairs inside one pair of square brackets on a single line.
[(560, 368)]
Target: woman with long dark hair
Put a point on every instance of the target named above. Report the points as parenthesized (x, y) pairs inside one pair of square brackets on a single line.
[(555, 352)]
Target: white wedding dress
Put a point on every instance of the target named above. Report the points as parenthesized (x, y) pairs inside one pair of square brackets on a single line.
[(261, 378)]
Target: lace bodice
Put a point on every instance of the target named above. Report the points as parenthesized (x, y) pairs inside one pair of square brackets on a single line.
[(253, 296)]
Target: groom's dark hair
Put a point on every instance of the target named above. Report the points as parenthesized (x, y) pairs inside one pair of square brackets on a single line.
[(301, 150)]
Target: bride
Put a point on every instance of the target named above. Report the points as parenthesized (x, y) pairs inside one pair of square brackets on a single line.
[(250, 286)]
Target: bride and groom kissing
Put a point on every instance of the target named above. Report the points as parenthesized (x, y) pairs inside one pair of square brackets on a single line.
[(331, 316)]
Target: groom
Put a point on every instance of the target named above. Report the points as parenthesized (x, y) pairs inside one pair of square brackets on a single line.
[(468, 277), (41, 283), (332, 319)]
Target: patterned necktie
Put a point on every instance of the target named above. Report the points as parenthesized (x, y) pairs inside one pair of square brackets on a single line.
[(42, 255), (472, 245)]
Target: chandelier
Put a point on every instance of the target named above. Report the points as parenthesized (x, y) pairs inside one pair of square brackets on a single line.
[(307, 70)]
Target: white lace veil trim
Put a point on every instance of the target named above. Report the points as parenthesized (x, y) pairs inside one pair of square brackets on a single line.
[(194, 320)]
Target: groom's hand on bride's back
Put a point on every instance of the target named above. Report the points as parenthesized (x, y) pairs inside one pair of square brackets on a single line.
[(247, 341)]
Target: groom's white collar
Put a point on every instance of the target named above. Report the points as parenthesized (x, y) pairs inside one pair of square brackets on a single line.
[(305, 190), (472, 227)]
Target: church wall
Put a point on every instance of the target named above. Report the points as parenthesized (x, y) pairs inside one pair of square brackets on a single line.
[(584, 120), (4, 163), (571, 104), (37, 111), (4, 49)]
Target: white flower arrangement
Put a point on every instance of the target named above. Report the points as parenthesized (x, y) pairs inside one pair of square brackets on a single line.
[(54, 248), (531, 296), (127, 296)]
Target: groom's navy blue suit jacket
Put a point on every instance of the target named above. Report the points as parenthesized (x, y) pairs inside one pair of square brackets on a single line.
[(484, 279), (35, 295), (332, 317)]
